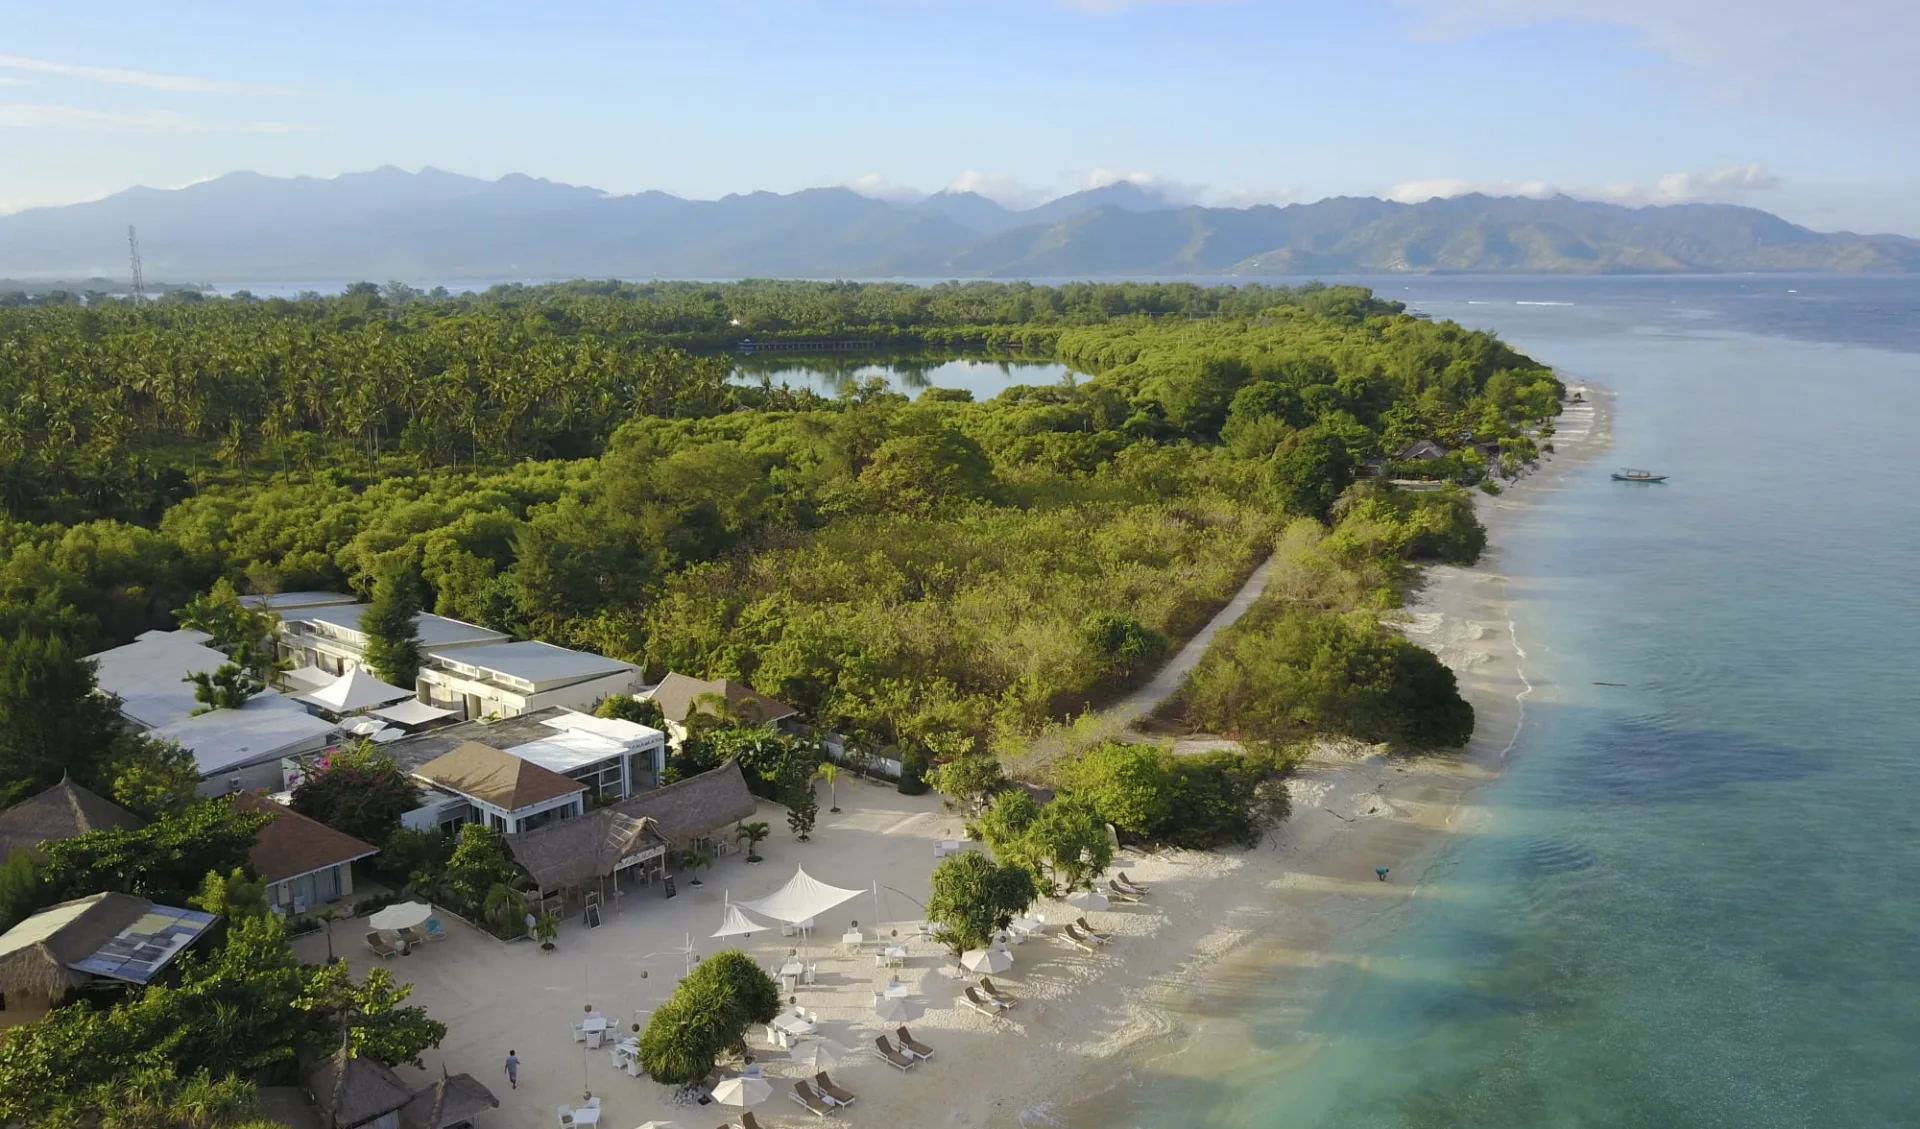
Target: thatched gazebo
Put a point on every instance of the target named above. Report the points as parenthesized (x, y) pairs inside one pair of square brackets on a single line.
[(350, 1091), (39, 955), (61, 812), (452, 1100)]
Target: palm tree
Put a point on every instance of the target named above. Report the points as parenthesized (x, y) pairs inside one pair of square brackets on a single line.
[(326, 916), (753, 834), (503, 904), (831, 772), (691, 862), (545, 928)]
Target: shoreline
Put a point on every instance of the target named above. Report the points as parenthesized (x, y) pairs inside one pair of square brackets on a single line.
[(1322, 910)]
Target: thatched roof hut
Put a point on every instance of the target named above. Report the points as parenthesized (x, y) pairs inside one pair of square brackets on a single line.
[(697, 806), (452, 1100), (60, 812), (37, 956), (353, 1091), (578, 852)]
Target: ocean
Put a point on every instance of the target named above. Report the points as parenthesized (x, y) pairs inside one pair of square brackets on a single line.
[(1692, 901)]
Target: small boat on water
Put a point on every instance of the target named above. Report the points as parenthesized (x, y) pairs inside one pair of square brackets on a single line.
[(1626, 474)]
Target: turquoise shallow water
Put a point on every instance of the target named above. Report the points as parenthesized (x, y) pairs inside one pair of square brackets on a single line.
[(1695, 903)]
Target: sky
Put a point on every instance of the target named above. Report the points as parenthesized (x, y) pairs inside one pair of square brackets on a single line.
[(1807, 108)]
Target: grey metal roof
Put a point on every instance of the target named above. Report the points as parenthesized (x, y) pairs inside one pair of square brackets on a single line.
[(412, 752), (435, 630), (533, 661)]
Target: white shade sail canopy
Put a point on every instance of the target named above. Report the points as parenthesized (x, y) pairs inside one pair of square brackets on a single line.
[(738, 924), (413, 711), (802, 899), (355, 690), (987, 960)]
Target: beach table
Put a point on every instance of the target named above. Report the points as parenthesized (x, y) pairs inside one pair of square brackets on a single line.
[(595, 1027), (1027, 926), (792, 1026), (853, 939), (588, 1115), (897, 990), (793, 968)]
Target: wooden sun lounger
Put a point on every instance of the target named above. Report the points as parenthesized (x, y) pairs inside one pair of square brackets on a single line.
[(835, 1095), (981, 1004), (995, 994), (1099, 938), (1072, 936), (382, 948), (805, 1095), (911, 1045), (747, 1120), (1120, 895), (892, 1056)]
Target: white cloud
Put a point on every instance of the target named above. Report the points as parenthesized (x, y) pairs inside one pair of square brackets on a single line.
[(179, 84), (34, 115), (9, 80), (877, 187), (1254, 197), (1001, 188), (1716, 186), (1783, 53)]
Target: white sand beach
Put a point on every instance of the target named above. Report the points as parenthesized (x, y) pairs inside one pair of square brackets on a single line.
[(1303, 900)]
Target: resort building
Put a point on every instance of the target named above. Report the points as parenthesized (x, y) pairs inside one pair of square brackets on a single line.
[(328, 636), (60, 812), (634, 837), (234, 749), (285, 603), (677, 695), (305, 863), (596, 756), (475, 783), (511, 679), (1422, 450), (149, 675), (88, 943)]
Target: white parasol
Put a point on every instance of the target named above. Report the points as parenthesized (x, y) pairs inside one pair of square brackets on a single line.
[(894, 1009), (1091, 900), (659, 1125), (987, 960), (405, 915), (743, 1092), (819, 1052)]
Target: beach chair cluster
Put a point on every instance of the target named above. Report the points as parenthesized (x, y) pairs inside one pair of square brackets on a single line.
[(1085, 937), (987, 999), (822, 1097), (907, 1054)]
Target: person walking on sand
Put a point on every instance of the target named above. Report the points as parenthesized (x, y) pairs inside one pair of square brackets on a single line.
[(1381, 871), (513, 1069)]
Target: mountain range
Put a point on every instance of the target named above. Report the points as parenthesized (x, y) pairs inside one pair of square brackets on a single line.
[(389, 223)]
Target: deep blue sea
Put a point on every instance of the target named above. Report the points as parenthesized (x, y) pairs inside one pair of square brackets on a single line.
[(1697, 899)]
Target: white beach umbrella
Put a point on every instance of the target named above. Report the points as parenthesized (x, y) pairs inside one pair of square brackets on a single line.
[(1091, 900), (820, 1052), (987, 960), (743, 1092), (659, 1125), (404, 915), (893, 1009)]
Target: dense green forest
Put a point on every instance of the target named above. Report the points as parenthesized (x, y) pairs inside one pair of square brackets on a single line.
[(572, 463)]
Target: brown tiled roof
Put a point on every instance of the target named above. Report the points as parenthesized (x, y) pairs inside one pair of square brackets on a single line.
[(501, 779), (696, 806), (354, 1091), (676, 693), (292, 844), (60, 812), (449, 1100)]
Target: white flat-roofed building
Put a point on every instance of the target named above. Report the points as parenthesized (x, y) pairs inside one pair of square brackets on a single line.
[(149, 675), (329, 636), (284, 602), (509, 679), (241, 750)]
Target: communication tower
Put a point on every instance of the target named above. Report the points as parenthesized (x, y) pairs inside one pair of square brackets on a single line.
[(133, 252)]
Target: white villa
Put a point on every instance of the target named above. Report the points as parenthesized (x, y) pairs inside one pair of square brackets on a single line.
[(328, 636), (510, 679)]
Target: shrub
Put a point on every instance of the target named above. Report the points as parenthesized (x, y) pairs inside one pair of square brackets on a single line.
[(707, 1015), (626, 707), (375, 904), (360, 790), (913, 771)]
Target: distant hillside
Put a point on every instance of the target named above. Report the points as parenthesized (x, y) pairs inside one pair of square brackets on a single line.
[(437, 225)]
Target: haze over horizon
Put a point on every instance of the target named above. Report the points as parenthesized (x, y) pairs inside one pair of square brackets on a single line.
[(1808, 114)]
